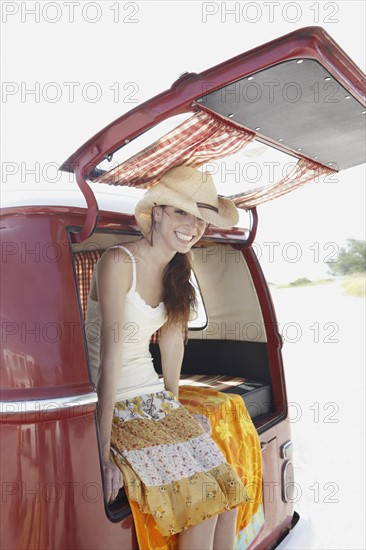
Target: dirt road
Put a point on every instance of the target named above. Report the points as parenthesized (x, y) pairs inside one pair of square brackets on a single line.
[(324, 355)]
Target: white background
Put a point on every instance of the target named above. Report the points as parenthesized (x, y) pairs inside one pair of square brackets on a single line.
[(141, 48), (95, 60)]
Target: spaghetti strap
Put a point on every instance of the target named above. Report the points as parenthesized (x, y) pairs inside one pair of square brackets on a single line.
[(133, 287)]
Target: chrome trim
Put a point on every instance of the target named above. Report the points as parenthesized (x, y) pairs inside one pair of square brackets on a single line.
[(287, 450), (47, 405)]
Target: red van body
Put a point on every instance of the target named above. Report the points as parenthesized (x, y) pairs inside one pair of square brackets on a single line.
[(51, 475), (52, 493)]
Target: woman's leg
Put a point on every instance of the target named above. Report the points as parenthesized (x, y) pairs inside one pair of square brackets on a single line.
[(225, 532), (199, 536)]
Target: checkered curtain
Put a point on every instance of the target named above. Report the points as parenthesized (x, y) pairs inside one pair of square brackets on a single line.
[(197, 140), (200, 139), (303, 172), (84, 266)]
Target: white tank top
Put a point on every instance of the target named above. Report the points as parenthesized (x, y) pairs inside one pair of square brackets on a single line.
[(137, 374)]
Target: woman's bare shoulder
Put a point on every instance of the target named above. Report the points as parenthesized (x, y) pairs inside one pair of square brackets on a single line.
[(114, 269), (118, 256)]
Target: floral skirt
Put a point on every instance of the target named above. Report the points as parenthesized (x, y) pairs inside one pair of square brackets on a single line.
[(171, 467)]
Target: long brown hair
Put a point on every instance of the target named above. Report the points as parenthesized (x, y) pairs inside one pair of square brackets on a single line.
[(179, 294)]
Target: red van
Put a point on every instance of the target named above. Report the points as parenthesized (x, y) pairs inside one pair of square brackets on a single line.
[(51, 480)]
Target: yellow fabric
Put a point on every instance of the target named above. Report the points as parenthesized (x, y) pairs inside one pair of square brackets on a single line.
[(177, 497), (182, 504), (236, 436), (234, 433)]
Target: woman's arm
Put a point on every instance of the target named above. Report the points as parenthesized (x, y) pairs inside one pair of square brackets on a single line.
[(172, 351), (171, 346), (113, 281)]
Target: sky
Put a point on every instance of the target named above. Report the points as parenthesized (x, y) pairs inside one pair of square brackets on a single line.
[(70, 68)]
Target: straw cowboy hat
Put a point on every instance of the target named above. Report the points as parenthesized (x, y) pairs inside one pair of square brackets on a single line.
[(190, 190)]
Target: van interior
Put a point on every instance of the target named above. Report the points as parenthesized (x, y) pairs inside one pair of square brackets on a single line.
[(226, 349)]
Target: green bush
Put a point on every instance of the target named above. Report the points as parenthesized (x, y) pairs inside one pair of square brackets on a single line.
[(300, 282), (351, 259), (354, 285)]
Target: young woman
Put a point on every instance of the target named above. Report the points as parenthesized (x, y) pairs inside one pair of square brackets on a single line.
[(150, 443)]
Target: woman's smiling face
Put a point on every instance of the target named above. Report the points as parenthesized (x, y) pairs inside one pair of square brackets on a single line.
[(182, 229)]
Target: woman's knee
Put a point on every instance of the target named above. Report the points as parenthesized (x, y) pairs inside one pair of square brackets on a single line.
[(210, 523), (229, 516)]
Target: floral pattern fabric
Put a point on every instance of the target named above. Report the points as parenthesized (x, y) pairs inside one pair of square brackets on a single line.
[(172, 468), (160, 464), (151, 406), (199, 476)]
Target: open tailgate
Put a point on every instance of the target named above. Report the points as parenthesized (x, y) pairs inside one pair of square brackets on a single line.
[(300, 94)]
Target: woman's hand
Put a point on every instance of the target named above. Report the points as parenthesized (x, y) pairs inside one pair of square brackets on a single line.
[(113, 480)]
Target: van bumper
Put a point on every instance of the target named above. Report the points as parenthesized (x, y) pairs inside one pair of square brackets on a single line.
[(300, 535)]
